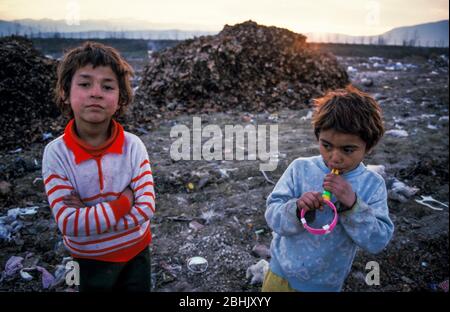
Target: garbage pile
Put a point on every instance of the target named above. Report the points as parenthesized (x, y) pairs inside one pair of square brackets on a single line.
[(27, 80), (246, 66)]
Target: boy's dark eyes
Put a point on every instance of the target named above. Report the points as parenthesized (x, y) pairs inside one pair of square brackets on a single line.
[(86, 84), (348, 150)]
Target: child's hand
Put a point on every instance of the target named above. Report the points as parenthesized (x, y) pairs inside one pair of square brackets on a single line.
[(129, 194), (310, 201), (340, 188), (73, 200)]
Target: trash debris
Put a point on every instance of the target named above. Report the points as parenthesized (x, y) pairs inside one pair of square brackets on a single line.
[(197, 264), (171, 268), (190, 186), (308, 116), (28, 211), (257, 272), (47, 279), (444, 285), (27, 80), (13, 265), (195, 225), (25, 275), (47, 136), (425, 199), (247, 66), (267, 178), (5, 188), (367, 82), (261, 251), (397, 133), (399, 191)]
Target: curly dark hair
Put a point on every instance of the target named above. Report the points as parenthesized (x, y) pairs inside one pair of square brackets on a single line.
[(349, 111), (95, 54)]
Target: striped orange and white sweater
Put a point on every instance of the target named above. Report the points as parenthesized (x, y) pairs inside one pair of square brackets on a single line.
[(108, 228)]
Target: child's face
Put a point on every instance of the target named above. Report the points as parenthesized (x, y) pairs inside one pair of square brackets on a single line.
[(341, 151), (94, 94)]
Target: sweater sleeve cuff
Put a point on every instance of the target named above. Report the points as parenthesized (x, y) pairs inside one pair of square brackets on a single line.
[(353, 209), (120, 206)]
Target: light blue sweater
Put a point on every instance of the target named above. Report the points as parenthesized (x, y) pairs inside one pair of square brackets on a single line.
[(322, 262)]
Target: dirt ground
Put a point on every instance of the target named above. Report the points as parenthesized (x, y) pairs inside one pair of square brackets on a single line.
[(227, 198)]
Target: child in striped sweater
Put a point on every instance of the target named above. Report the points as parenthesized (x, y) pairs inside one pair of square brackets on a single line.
[(97, 176)]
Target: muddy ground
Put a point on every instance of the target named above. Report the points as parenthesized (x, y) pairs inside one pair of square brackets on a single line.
[(227, 198)]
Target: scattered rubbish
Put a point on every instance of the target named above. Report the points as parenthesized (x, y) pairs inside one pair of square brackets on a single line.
[(28, 211), (203, 181), (425, 199), (261, 251), (273, 117), (18, 150), (374, 59), (47, 279), (190, 186), (259, 232), (267, 178), (407, 280), (257, 272), (246, 66), (197, 264), (397, 133), (27, 81), (367, 82), (308, 116), (444, 285), (5, 188), (399, 191), (46, 136), (223, 173), (195, 225), (13, 265), (432, 127), (25, 275), (351, 69), (171, 268)]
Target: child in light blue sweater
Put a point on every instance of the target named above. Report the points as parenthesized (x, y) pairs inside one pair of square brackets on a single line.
[(348, 124)]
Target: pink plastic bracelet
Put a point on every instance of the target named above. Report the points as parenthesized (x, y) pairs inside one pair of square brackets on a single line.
[(327, 228)]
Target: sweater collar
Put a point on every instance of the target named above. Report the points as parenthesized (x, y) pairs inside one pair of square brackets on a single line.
[(84, 151)]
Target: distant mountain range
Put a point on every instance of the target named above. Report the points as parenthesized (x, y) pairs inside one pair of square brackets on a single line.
[(433, 34), (426, 35)]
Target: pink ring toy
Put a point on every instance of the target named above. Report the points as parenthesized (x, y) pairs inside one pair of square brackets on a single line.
[(327, 228)]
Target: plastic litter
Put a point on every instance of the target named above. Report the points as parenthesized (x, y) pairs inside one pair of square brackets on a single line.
[(397, 133), (13, 265), (25, 275), (425, 199), (308, 116), (46, 136), (28, 211), (257, 272), (399, 191), (197, 264), (47, 278)]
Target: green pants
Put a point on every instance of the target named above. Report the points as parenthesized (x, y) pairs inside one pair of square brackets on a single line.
[(132, 276)]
